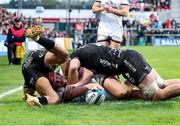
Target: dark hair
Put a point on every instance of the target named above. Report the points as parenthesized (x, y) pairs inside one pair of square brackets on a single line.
[(17, 19)]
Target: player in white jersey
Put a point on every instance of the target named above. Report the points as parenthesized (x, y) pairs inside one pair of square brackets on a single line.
[(110, 29)]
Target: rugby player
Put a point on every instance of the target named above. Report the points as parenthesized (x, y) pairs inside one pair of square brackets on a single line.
[(110, 29), (131, 64), (40, 76)]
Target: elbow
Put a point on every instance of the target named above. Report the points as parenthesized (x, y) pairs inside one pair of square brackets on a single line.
[(65, 56)]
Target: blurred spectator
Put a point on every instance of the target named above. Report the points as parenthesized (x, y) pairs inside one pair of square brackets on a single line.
[(78, 36), (30, 21), (15, 39), (149, 5), (168, 23), (39, 21)]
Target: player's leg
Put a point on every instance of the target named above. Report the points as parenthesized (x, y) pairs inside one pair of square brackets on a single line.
[(150, 88), (103, 39), (44, 88), (56, 53), (164, 83), (136, 93), (47, 94), (116, 40), (116, 89), (65, 68), (115, 44)]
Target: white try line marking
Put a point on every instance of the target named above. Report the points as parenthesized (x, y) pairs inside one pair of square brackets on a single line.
[(10, 92)]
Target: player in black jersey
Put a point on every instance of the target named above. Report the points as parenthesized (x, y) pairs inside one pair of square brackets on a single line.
[(129, 63), (39, 75)]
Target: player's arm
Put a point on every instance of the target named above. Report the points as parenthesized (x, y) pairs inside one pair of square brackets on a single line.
[(97, 8), (122, 11), (73, 92), (73, 72), (86, 77), (65, 69)]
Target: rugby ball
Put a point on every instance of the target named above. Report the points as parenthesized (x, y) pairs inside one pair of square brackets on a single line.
[(95, 96)]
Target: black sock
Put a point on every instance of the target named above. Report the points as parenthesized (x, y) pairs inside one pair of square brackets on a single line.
[(42, 100), (46, 43)]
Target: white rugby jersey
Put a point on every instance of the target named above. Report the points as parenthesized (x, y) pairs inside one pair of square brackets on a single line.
[(110, 23)]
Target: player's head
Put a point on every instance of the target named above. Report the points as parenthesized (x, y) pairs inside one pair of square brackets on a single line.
[(17, 22)]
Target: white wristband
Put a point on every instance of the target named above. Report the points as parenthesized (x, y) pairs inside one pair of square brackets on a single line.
[(37, 38)]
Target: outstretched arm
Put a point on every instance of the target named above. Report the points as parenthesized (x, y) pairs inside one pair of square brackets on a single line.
[(73, 92)]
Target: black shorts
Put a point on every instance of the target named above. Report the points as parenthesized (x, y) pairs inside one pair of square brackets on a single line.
[(34, 68), (134, 67)]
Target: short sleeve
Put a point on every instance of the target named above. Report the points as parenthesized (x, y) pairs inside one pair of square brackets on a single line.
[(125, 2)]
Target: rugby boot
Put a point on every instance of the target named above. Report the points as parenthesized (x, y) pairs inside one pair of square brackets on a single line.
[(34, 32), (32, 101)]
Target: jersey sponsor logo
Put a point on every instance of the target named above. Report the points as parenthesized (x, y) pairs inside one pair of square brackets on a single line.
[(27, 62), (129, 65), (130, 79), (108, 64)]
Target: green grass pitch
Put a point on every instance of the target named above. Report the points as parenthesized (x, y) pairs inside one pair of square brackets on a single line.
[(13, 111)]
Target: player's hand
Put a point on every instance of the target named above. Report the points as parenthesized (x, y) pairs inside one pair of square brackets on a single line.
[(108, 9), (94, 86), (68, 88)]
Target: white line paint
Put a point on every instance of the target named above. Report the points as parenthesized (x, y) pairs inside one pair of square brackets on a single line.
[(10, 92)]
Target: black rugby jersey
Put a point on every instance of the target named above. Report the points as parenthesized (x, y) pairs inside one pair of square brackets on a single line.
[(99, 59), (35, 60)]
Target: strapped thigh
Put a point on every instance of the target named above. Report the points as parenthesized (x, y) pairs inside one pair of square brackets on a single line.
[(150, 89), (160, 81)]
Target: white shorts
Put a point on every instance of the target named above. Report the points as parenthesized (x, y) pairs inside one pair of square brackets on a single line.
[(109, 36)]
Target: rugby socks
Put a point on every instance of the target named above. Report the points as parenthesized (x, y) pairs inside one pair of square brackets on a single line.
[(42, 100), (46, 43)]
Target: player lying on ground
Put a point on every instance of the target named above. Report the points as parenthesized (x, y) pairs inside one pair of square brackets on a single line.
[(39, 75), (112, 91), (131, 64)]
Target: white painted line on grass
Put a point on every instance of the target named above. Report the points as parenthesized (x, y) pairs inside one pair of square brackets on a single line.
[(10, 92)]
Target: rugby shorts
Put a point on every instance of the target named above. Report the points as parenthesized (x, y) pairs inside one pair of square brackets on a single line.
[(134, 67), (33, 68)]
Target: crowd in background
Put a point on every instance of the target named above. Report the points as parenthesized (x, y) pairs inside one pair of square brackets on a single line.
[(153, 28), (7, 20), (135, 28), (149, 5)]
